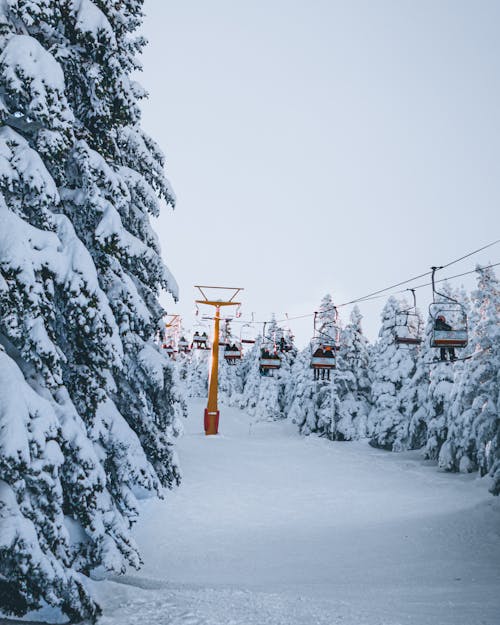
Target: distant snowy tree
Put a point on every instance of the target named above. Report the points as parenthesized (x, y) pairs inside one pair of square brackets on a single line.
[(196, 381), (353, 380), (230, 369), (473, 435), (264, 392), (302, 394), (392, 368), (443, 378), (251, 375), (326, 390), (415, 399), (334, 407), (230, 381), (79, 283)]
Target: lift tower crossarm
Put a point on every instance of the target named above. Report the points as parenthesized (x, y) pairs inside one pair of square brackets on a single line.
[(211, 417)]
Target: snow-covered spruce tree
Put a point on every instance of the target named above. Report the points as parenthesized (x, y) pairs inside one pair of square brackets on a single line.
[(301, 394), (392, 367), (443, 381), (181, 365), (229, 381), (265, 396), (251, 376), (230, 370), (327, 400), (473, 434), (196, 381), (415, 398), (334, 408), (80, 274), (352, 381)]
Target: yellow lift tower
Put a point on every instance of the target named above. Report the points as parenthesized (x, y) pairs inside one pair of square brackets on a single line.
[(211, 419)]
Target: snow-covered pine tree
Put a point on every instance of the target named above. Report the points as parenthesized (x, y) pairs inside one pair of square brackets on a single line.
[(473, 435), (415, 397), (332, 407), (325, 392), (264, 395), (352, 380), (230, 369), (301, 394), (196, 381), (80, 274), (392, 367), (251, 376), (443, 381)]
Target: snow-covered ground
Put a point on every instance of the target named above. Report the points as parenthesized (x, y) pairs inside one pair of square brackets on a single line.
[(271, 528)]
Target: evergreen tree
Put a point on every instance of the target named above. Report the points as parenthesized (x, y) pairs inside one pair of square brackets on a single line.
[(230, 370), (196, 383), (473, 437), (352, 381), (80, 276), (392, 367), (443, 379), (302, 394), (415, 400), (251, 375), (265, 392), (334, 407)]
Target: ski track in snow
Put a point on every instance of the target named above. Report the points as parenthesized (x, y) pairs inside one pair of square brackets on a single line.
[(271, 528)]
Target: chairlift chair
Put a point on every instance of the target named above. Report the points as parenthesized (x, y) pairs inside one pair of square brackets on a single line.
[(455, 316), (269, 359), (169, 349), (232, 353), (200, 341), (246, 335), (324, 348), (183, 345), (323, 360), (452, 313), (407, 325), (286, 342)]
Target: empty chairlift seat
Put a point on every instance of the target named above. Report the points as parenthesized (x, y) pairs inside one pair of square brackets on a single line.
[(407, 329)]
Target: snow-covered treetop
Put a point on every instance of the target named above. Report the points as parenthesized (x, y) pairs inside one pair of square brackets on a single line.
[(327, 318)]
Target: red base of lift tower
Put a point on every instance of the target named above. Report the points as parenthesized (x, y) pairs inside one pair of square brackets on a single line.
[(211, 422)]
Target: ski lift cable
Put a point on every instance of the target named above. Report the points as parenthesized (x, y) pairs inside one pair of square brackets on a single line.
[(427, 273), (470, 254), (458, 275), (382, 292), (375, 297), (420, 286)]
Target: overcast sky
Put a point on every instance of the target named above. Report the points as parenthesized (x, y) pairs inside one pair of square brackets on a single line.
[(323, 146)]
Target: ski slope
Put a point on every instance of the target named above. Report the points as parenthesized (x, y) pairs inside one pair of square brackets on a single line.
[(271, 528)]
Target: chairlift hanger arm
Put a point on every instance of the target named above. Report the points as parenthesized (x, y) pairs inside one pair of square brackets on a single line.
[(217, 303), (434, 292), (414, 298), (206, 300)]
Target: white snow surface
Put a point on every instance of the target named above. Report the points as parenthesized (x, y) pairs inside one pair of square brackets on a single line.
[(272, 528)]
